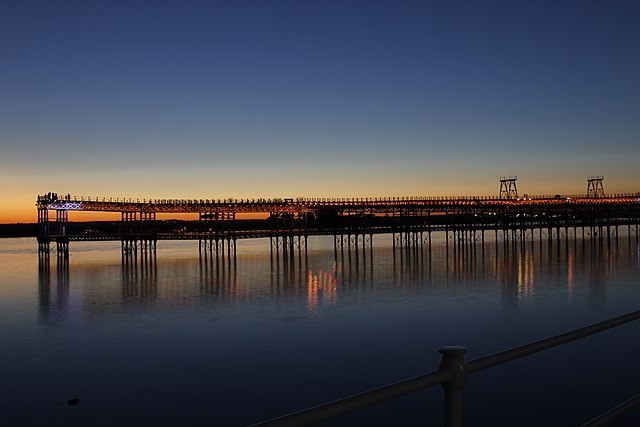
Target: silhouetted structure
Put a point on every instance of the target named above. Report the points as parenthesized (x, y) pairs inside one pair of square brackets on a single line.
[(353, 222), (594, 186), (508, 189)]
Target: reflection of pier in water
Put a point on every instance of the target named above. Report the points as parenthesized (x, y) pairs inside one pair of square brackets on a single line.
[(139, 279), (324, 277), (53, 300)]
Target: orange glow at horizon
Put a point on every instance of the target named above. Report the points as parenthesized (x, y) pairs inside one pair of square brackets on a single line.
[(18, 202)]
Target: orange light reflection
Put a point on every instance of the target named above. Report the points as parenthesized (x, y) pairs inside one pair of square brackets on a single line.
[(322, 288)]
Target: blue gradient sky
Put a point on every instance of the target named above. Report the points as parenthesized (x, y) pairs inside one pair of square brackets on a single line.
[(315, 98)]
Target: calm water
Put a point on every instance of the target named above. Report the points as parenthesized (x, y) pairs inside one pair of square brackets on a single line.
[(187, 341)]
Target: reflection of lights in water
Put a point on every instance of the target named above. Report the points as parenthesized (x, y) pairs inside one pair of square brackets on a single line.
[(570, 265), (322, 288), (525, 277)]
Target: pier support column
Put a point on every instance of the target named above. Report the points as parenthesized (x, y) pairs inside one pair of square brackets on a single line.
[(138, 233), (44, 237)]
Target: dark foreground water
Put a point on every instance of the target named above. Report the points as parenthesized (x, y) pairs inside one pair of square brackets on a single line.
[(188, 342)]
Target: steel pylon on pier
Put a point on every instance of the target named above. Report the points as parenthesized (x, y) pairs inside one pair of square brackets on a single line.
[(594, 186), (508, 189)]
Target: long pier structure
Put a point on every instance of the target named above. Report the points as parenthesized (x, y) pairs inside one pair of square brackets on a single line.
[(465, 220)]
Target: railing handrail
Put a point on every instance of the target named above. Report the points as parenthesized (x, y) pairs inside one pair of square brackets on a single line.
[(444, 375), (614, 412), (544, 344), (359, 401)]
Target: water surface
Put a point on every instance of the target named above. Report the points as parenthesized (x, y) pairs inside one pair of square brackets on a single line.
[(188, 339)]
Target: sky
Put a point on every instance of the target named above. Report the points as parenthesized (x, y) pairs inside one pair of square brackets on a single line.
[(248, 99)]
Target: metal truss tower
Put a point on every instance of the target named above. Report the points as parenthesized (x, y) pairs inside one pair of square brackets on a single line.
[(508, 189), (594, 186)]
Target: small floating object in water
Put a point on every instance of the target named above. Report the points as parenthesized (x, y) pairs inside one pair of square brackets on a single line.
[(73, 401)]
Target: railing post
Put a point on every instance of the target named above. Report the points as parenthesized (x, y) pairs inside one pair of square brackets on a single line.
[(453, 360)]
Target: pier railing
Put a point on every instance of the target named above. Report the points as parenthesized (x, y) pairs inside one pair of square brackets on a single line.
[(452, 375)]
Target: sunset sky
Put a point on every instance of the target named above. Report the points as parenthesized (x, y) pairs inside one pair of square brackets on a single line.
[(214, 99)]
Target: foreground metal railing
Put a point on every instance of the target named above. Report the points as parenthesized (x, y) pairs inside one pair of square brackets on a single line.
[(452, 375)]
